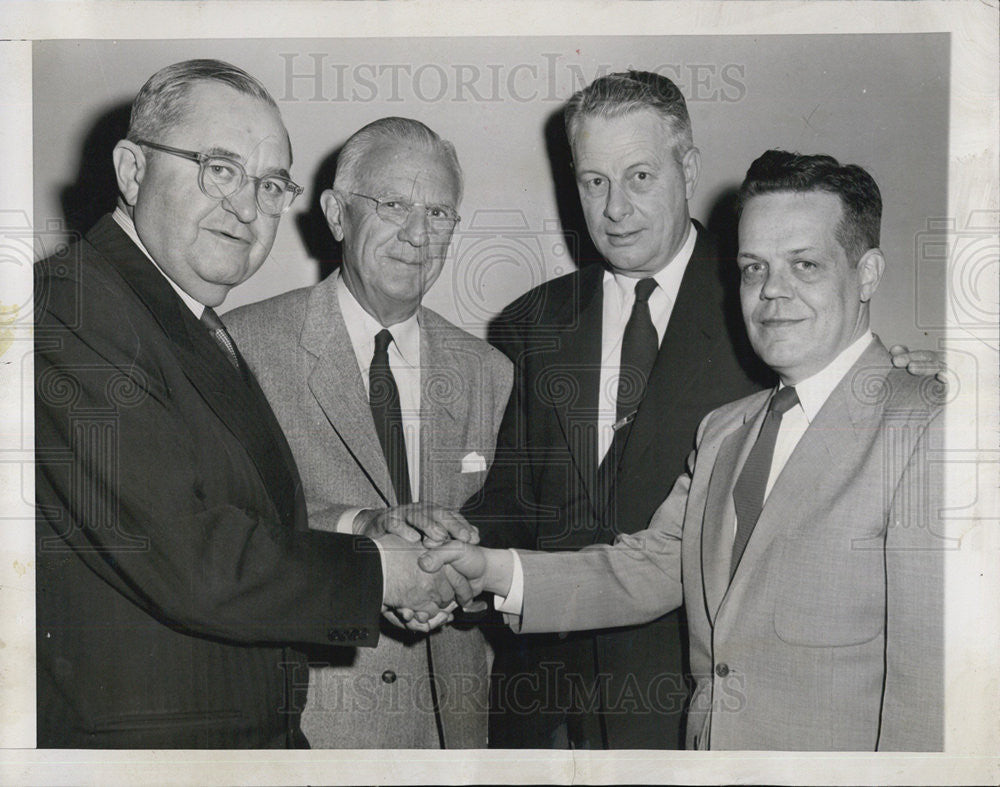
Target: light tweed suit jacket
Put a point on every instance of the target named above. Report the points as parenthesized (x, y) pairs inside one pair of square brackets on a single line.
[(830, 635), (297, 345)]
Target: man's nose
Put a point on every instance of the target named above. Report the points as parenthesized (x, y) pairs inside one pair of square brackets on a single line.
[(776, 285), (414, 229), (243, 202), (618, 205)]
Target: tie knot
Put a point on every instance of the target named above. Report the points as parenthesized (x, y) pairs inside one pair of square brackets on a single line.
[(211, 320), (784, 400), (644, 288), (382, 340)]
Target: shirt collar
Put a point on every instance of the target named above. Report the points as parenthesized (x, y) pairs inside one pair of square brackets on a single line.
[(362, 328), (128, 226), (814, 391), (668, 278)]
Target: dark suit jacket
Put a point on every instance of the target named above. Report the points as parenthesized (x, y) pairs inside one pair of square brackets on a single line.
[(543, 491), (174, 561)]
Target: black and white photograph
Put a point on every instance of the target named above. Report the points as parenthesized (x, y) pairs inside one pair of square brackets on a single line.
[(449, 397)]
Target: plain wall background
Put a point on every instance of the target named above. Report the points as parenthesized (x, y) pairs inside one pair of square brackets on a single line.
[(880, 101)]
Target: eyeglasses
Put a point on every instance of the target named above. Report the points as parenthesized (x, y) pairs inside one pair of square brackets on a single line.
[(440, 218), (221, 177)]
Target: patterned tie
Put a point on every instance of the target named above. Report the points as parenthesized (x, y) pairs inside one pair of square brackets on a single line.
[(748, 494), (222, 338), (383, 397)]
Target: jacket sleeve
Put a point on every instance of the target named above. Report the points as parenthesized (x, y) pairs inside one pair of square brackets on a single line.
[(915, 550), (635, 580), (140, 480)]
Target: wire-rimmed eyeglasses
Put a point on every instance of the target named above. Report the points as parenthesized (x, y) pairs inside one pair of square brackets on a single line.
[(440, 218), (220, 177)]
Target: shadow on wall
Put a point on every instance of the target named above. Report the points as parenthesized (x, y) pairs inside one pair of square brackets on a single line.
[(94, 190), (311, 223), (721, 224), (571, 218)]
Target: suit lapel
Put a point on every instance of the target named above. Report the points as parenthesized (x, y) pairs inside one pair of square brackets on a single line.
[(239, 405), (578, 356), (339, 387), (831, 443), (717, 532), (694, 328), (442, 417)]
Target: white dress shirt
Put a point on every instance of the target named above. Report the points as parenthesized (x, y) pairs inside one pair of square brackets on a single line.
[(813, 393), (619, 298), (404, 362)]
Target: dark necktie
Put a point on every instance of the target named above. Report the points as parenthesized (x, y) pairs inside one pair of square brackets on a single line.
[(639, 348), (222, 338), (748, 494), (383, 397), (640, 345)]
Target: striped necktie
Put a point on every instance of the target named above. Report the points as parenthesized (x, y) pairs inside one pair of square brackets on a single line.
[(221, 336)]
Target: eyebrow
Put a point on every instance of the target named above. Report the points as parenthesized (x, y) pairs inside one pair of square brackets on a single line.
[(644, 163), (752, 256), (398, 197), (220, 151)]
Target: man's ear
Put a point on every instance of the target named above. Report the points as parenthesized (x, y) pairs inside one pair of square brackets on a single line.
[(332, 209), (871, 266), (130, 169), (691, 165)]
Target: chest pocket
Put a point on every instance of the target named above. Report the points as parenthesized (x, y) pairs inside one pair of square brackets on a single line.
[(831, 593)]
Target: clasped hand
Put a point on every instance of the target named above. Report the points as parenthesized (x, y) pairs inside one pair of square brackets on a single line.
[(413, 597)]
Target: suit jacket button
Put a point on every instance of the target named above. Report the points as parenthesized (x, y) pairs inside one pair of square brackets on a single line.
[(388, 676), (722, 670), (334, 635)]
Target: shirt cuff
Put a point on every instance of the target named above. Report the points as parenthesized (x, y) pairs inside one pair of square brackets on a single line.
[(381, 560), (345, 524), (512, 605)]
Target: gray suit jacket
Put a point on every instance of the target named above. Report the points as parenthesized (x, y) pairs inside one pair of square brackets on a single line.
[(830, 635), (297, 345)]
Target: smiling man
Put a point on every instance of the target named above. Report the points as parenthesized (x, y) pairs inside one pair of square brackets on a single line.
[(176, 575), (806, 538), (385, 404)]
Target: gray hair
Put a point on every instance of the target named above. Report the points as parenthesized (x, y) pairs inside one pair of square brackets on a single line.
[(162, 101), (624, 92), (389, 130)]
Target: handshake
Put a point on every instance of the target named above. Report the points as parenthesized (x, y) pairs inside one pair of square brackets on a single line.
[(432, 563)]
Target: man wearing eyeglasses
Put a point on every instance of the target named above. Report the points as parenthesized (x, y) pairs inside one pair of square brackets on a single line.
[(175, 565), (388, 409)]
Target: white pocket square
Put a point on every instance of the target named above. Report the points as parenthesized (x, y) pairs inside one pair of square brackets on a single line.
[(473, 462)]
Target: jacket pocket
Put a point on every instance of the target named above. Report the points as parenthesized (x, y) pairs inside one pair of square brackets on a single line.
[(829, 594)]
